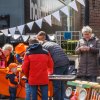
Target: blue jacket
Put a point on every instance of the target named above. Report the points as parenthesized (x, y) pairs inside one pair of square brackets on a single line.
[(58, 55)]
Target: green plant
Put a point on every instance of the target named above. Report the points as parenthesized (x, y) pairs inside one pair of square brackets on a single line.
[(69, 46)]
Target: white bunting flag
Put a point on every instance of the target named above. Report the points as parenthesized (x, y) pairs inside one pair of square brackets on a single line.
[(39, 23), (5, 31), (48, 19), (73, 5), (16, 36), (57, 15), (65, 10), (12, 30), (81, 2), (30, 25), (9, 35), (34, 35), (52, 37), (21, 28), (25, 37)]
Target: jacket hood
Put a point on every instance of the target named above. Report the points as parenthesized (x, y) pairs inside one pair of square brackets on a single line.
[(33, 46)]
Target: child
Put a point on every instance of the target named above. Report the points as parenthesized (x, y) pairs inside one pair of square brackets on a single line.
[(12, 80), (35, 65)]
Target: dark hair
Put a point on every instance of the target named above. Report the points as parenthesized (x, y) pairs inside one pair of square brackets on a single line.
[(33, 40)]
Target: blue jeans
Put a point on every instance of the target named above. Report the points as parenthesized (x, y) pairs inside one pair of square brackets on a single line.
[(43, 89), (59, 86), (28, 91), (12, 91)]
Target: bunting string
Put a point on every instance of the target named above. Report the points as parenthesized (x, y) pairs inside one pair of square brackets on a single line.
[(48, 19)]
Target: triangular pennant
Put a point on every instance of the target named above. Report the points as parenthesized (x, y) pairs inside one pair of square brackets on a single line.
[(16, 36), (39, 23), (81, 2), (52, 37), (57, 15), (65, 10), (12, 30), (9, 35), (73, 5), (30, 25), (21, 28), (25, 37), (34, 35), (5, 31), (48, 20)]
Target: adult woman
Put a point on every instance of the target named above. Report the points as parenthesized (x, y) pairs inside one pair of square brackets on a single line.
[(8, 51), (87, 51)]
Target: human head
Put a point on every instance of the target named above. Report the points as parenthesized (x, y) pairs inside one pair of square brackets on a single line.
[(33, 40), (20, 48), (87, 32), (7, 49), (13, 67), (41, 36)]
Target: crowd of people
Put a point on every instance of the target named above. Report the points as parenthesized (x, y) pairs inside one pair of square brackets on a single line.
[(37, 63), (42, 57)]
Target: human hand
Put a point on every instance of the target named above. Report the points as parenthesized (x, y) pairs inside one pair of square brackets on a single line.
[(87, 48), (18, 83), (84, 48)]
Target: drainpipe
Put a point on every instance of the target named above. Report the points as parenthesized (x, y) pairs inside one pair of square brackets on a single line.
[(86, 13)]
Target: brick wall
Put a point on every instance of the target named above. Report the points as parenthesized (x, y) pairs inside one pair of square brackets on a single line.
[(94, 16)]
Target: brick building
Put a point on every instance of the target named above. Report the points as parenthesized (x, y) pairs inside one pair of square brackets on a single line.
[(89, 15), (18, 13), (94, 16)]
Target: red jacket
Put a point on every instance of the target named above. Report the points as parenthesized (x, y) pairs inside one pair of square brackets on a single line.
[(37, 65)]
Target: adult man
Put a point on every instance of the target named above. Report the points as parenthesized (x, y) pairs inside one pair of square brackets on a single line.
[(61, 63), (36, 66)]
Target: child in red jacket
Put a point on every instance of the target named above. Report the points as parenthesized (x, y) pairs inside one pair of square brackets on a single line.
[(36, 66), (12, 80)]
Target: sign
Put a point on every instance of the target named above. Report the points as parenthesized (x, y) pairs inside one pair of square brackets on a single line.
[(67, 35), (35, 11)]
